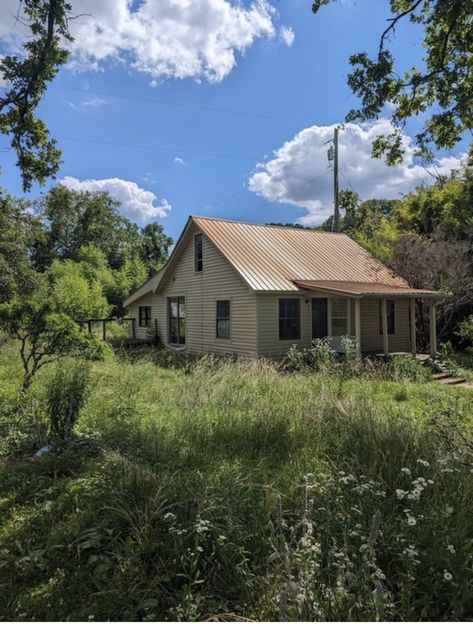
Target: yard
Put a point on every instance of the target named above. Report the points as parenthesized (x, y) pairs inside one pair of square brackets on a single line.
[(227, 490)]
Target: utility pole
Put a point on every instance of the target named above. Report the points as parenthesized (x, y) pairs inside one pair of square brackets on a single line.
[(336, 207)]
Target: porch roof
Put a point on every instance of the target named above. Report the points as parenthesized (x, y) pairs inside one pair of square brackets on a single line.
[(366, 290)]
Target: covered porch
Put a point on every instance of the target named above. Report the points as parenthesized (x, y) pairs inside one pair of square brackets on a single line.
[(380, 317)]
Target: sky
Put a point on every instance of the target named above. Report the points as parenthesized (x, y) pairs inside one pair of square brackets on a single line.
[(218, 108)]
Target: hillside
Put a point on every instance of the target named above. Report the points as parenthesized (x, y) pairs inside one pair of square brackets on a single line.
[(229, 490)]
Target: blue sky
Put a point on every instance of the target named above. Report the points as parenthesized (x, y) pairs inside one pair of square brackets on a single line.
[(243, 141)]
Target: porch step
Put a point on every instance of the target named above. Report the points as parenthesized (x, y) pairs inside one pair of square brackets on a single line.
[(452, 381), (440, 376)]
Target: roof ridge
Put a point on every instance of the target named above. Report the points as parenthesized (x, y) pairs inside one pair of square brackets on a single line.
[(267, 225)]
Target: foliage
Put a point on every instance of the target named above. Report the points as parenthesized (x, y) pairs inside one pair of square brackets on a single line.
[(45, 335), (27, 77), (19, 230), (238, 492), (66, 394), (440, 90)]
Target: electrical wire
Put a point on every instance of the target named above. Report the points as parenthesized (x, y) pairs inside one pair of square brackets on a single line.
[(169, 103)]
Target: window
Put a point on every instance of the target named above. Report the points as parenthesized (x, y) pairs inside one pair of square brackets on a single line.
[(177, 320), (391, 317), (145, 316), (339, 317), (223, 319), (198, 253), (289, 319)]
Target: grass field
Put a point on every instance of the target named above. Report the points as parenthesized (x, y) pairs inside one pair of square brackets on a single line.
[(233, 490)]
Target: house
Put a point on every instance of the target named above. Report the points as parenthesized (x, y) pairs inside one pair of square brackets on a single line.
[(254, 290)]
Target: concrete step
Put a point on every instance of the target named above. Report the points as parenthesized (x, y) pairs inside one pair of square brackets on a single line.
[(452, 381), (440, 376)]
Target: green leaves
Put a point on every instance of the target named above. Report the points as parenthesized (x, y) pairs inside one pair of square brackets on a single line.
[(28, 76), (441, 88)]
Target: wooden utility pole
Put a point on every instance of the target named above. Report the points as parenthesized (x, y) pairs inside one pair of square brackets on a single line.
[(336, 207)]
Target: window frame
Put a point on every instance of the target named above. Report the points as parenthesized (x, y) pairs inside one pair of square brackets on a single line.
[(144, 320), (391, 316), (199, 236), (338, 317), (299, 333), (229, 319), (178, 299)]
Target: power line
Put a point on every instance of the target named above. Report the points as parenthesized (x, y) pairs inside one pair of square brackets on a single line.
[(172, 150), (209, 109)]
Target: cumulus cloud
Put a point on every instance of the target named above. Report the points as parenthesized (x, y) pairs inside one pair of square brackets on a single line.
[(299, 172), (135, 202), (164, 38)]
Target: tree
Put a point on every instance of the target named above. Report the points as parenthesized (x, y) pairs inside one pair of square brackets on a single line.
[(45, 335), (77, 218), (28, 76), (19, 232), (442, 89), (155, 246)]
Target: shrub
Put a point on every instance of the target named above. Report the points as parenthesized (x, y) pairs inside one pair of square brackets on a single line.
[(65, 395)]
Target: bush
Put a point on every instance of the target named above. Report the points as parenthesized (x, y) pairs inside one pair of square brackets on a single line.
[(66, 394)]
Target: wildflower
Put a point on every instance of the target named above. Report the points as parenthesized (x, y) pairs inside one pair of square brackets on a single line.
[(447, 576), (406, 471), (411, 521), (422, 462), (400, 494), (169, 516), (451, 549)]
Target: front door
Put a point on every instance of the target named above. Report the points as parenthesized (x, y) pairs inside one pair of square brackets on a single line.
[(319, 318)]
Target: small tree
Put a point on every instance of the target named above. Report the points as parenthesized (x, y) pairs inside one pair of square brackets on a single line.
[(45, 336)]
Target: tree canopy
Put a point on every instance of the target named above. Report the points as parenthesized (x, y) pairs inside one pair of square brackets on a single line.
[(441, 88), (28, 75)]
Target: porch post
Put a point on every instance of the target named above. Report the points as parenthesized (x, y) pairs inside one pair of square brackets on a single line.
[(433, 328), (412, 308), (384, 318), (349, 316), (358, 327), (329, 317)]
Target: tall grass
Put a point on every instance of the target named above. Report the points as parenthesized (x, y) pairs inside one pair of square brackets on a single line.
[(219, 489)]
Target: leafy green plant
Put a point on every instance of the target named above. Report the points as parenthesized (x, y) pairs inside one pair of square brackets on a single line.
[(66, 394)]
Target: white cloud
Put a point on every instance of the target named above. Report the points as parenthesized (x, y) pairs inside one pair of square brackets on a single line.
[(163, 38), (287, 35), (179, 161), (135, 202), (299, 173)]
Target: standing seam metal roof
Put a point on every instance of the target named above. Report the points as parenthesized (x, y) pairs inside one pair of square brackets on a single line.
[(272, 258)]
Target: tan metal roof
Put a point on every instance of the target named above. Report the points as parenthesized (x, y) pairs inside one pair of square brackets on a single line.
[(365, 289), (273, 258)]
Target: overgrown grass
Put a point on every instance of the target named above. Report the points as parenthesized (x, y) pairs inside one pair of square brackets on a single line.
[(208, 488)]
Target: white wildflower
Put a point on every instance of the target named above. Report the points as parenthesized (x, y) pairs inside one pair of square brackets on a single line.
[(406, 471), (422, 462), (447, 576)]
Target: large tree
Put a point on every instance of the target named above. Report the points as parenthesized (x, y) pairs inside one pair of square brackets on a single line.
[(28, 75), (440, 88)]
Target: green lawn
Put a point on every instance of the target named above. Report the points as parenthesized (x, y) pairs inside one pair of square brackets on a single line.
[(227, 489)]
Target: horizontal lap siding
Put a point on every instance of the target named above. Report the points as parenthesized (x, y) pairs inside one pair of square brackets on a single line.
[(156, 303), (371, 339), (218, 280), (269, 344)]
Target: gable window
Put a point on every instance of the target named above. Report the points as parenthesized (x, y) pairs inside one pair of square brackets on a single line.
[(177, 320), (198, 253), (390, 307), (289, 319), (145, 316), (222, 329)]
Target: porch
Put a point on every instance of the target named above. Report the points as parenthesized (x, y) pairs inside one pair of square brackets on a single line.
[(380, 317)]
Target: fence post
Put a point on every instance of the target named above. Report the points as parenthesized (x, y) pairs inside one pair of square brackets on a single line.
[(104, 329), (89, 323), (133, 328)]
